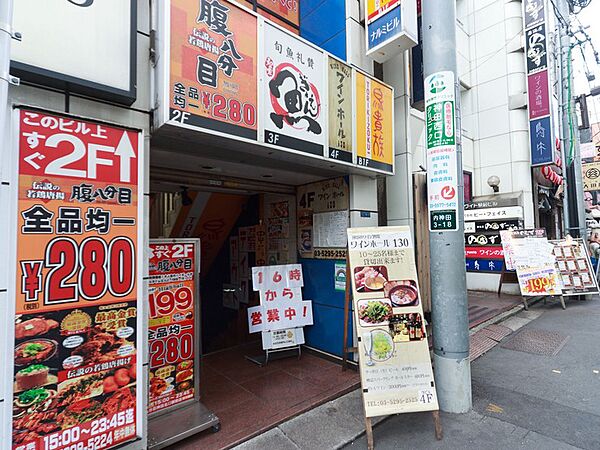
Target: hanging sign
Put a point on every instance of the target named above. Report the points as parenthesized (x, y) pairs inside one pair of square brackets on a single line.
[(374, 123), (212, 67), (573, 263), (591, 176), (173, 335), (442, 167), (293, 89), (78, 283), (341, 116), (391, 27), (541, 136), (395, 366)]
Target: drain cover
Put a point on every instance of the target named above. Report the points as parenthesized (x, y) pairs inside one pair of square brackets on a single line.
[(538, 342)]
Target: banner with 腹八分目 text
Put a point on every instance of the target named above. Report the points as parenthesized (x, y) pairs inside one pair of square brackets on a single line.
[(374, 123), (78, 283), (212, 71), (173, 336), (395, 365)]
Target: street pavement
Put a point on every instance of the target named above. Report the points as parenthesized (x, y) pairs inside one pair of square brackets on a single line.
[(520, 400)]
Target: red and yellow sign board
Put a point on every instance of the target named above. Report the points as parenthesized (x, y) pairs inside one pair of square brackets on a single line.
[(374, 124), (76, 283), (213, 82), (171, 328), (288, 9), (377, 8)]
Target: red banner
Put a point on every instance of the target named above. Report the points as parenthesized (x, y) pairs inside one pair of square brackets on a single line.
[(484, 252), (76, 300), (171, 329)]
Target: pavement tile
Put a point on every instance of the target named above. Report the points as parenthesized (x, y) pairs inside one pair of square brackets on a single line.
[(515, 323), (273, 439)]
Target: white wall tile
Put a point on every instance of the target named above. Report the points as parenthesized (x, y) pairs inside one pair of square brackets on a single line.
[(519, 146), (492, 94), (488, 16), (490, 40), (363, 193), (493, 122), (490, 67), (495, 150), (503, 171)]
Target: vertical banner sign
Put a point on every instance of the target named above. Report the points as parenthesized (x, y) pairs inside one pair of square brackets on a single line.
[(374, 124), (77, 321), (395, 366), (213, 54), (442, 167), (341, 116), (292, 79), (173, 335), (538, 83)]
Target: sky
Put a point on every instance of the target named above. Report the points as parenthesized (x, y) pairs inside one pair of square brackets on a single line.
[(589, 16)]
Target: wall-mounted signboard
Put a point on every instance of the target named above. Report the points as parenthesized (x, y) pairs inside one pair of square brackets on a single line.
[(76, 267), (227, 72), (391, 27), (61, 46)]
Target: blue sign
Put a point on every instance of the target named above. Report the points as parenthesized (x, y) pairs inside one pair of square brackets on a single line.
[(540, 141), (484, 265), (384, 28)]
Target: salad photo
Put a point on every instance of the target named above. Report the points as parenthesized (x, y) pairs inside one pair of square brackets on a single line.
[(374, 312)]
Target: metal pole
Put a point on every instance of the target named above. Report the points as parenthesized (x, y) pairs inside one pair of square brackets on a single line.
[(563, 135), (448, 279)]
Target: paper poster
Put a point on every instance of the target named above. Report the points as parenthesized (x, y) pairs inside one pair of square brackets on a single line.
[(293, 93), (374, 124), (339, 276), (341, 116), (78, 270), (213, 79), (172, 333), (395, 365), (329, 229)]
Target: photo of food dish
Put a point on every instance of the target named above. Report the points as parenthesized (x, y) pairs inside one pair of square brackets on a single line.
[(374, 312), (34, 351), (33, 376), (184, 375), (402, 293), (100, 346), (158, 386), (407, 327), (378, 346), (36, 326), (34, 400), (370, 278)]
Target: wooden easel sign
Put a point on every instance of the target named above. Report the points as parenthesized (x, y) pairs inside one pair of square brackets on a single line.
[(395, 366)]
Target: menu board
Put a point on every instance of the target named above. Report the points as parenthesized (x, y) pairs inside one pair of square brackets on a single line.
[(77, 267), (173, 322), (531, 255), (318, 233), (575, 268), (213, 80), (395, 366)]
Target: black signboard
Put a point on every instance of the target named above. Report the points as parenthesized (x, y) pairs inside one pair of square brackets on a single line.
[(534, 12), (497, 225), (536, 49), (482, 239)]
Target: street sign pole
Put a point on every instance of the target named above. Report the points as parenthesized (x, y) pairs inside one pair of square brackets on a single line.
[(446, 208)]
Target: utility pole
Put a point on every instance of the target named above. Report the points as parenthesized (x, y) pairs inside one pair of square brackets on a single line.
[(452, 367), (6, 36), (570, 144)]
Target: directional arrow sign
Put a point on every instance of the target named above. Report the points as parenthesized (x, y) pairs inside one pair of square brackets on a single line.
[(125, 152)]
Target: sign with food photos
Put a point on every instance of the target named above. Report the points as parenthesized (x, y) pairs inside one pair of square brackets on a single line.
[(575, 268), (293, 86), (78, 267), (395, 366), (173, 335), (212, 67)]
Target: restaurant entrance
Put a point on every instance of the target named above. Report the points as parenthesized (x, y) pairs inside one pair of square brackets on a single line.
[(221, 210)]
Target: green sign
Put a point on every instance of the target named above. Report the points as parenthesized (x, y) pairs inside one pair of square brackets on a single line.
[(442, 220), (440, 124)]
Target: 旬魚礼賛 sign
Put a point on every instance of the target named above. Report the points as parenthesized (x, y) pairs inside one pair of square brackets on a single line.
[(442, 168), (78, 279), (293, 75)]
